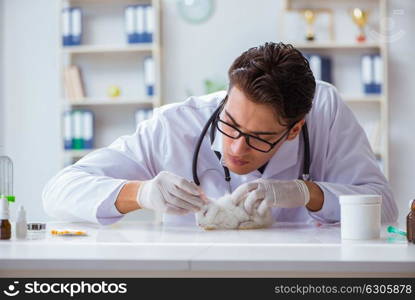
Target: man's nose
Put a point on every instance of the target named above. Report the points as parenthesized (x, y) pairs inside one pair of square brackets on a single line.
[(239, 145)]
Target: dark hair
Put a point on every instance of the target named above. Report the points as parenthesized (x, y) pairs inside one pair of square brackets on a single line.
[(276, 74)]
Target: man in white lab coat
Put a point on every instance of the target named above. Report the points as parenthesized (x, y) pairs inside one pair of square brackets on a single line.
[(258, 135)]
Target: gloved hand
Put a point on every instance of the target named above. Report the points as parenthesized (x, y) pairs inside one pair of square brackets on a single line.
[(262, 194), (169, 193)]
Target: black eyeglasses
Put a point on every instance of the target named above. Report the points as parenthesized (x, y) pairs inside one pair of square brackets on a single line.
[(252, 141)]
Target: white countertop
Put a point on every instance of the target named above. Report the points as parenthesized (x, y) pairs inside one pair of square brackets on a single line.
[(144, 249)]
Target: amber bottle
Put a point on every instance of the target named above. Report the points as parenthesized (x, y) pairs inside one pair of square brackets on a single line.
[(5, 230), (410, 223), (5, 227)]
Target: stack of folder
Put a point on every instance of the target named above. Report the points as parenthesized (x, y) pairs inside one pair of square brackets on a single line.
[(139, 23), (78, 129), (71, 26), (372, 74)]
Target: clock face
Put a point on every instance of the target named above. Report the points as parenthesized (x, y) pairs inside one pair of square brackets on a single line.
[(195, 11)]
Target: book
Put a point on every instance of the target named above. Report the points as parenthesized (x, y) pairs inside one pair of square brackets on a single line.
[(76, 82)]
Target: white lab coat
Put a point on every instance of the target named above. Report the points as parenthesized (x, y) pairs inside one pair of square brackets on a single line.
[(342, 162)]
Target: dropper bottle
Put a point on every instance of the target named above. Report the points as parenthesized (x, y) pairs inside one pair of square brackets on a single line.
[(21, 223)]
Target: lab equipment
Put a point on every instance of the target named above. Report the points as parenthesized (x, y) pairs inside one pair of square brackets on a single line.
[(264, 194), (36, 231), (6, 195), (392, 229), (224, 214), (212, 123), (21, 223), (360, 216), (410, 223), (6, 178)]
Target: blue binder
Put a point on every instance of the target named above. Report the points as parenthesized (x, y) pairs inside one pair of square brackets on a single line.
[(130, 24), (139, 23), (67, 129), (148, 24), (320, 66), (76, 26), (88, 129), (66, 26), (372, 74), (149, 76)]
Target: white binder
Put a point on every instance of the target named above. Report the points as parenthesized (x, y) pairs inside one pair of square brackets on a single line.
[(139, 21), (149, 76), (76, 23)]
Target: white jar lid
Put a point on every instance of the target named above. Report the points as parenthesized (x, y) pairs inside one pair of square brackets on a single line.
[(360, 199)]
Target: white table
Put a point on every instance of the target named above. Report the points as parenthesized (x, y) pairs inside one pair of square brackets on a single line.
[(145, 249)]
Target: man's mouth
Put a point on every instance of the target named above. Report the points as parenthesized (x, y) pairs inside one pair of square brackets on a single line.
[(237, 161)]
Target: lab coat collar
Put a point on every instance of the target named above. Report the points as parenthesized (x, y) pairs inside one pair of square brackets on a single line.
[(218, 142), (284, 158)]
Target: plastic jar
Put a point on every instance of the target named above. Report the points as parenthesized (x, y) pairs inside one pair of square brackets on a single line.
[(36, 231), (360, 216)]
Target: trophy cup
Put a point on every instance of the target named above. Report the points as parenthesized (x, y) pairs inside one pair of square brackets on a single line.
[(359, 17), (310, 17)]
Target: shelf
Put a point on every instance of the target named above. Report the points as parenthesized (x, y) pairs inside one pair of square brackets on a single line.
[(110, 102), (362, 98), (336, 46), (100, 2), (84, 49), (77, 153)]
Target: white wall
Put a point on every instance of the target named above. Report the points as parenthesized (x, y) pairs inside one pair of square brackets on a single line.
[(196, 52), (1, 81), (402, 106), (29, 62)]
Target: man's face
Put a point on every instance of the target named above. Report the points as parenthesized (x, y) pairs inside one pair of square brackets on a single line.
[(255, 119)]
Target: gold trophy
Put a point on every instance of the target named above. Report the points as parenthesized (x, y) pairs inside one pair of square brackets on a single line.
[(360, 17), (310, 17)]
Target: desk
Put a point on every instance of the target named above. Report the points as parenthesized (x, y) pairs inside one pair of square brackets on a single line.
[(143, 249)]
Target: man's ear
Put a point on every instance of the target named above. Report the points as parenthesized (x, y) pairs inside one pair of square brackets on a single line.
[(295, 130)]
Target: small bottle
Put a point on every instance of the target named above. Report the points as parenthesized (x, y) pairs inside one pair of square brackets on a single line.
[(5, 227), (410, 223), (21, 223)]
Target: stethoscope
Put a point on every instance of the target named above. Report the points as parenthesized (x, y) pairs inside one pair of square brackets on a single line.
[(211, 123)]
